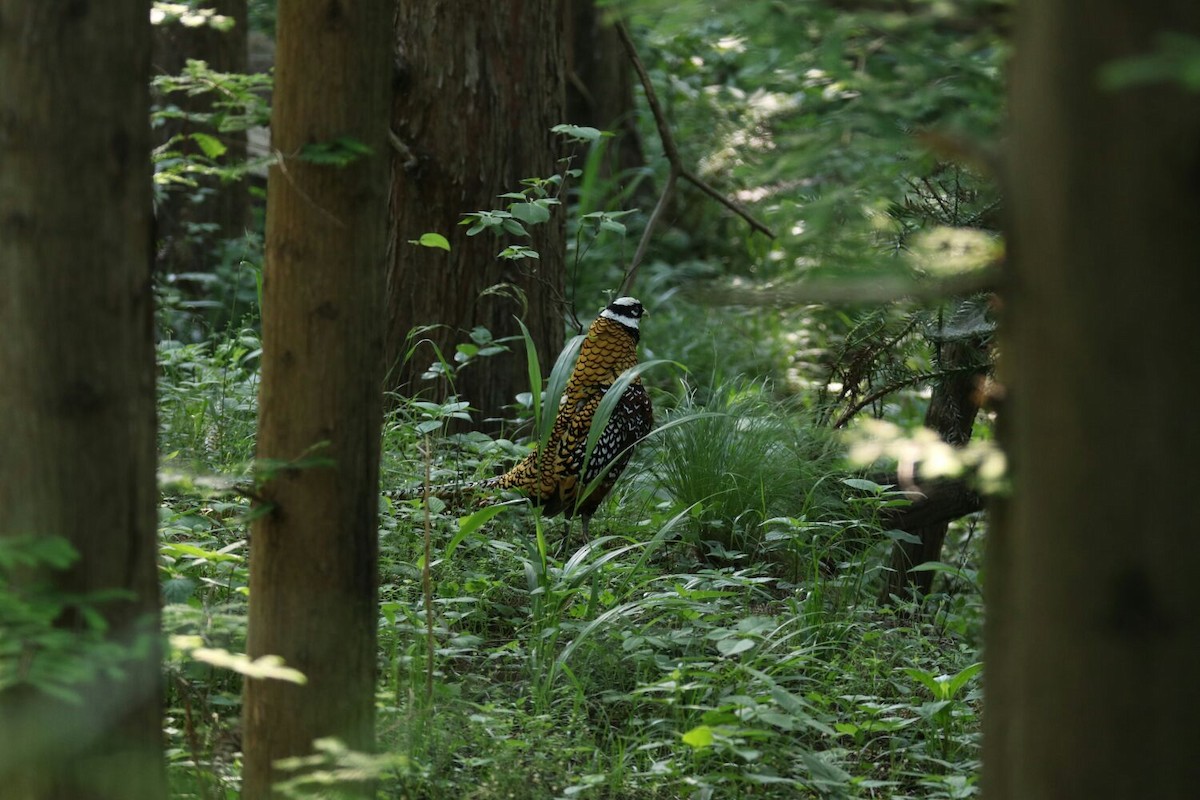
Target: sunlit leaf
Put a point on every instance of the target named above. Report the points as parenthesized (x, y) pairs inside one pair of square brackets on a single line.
[(699, 737), (433, 240), (210, 145), (264, 667), (580, 133)]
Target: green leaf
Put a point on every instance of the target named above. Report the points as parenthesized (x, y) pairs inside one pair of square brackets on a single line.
[(178, 590), (863, 484), (613, 226), (1176, 58), (932, 709), (937, 566), (580, 133), (902, 536), (926, 679), (211, 145), (961, 678), (517, 252), (353, 145), (823, 772), (534, 368), (471, 523), (52, 551), (556, 384), (339, 152), (183, 549), (530, 213), (790, 703), (432, 240), (731, 646), (513, 227), (699, 737), (62, 693)]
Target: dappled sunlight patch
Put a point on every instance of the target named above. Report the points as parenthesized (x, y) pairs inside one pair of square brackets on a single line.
[(262, 668), (944, 250), (922, 453)]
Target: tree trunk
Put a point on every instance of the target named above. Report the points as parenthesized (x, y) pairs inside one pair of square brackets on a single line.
[(189, 221), (600, 84), (313, 581), (952, 411), (941, 501), (478, 87), (77, 385), (1094, 636)]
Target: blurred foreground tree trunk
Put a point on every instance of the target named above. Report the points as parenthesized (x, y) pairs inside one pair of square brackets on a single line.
[(191, 220), (77, 432), (1094, 636), (313, 581), (478, 87)]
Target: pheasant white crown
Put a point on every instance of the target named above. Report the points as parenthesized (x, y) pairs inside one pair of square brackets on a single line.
[(625, 310)]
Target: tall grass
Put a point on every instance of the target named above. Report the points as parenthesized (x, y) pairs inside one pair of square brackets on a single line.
[(743, 460)]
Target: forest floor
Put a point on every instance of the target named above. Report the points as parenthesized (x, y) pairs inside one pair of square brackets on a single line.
[(688, 650)]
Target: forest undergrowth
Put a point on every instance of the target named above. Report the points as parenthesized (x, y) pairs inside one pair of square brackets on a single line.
[(718, 636)]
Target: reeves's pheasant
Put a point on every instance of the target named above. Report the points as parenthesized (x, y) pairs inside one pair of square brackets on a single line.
[(557, 479)]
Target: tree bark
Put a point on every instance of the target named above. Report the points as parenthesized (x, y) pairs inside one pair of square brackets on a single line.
[(313, 581), (77, 388), (478, 87), (1093, 633), (225, 206), (952, 411), (600, 84), (940, 502)]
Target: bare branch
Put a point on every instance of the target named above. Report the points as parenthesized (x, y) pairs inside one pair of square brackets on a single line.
[(660, 119), (729, 203), (677, 169), (667, 191)]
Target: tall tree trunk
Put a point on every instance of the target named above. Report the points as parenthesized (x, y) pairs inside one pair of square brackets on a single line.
[(185, 214), (313, 582), (600, 83), (77, 383), (478, 87), (1094, 637)]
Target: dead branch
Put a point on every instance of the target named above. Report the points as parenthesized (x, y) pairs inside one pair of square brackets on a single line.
[(676, 167)]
